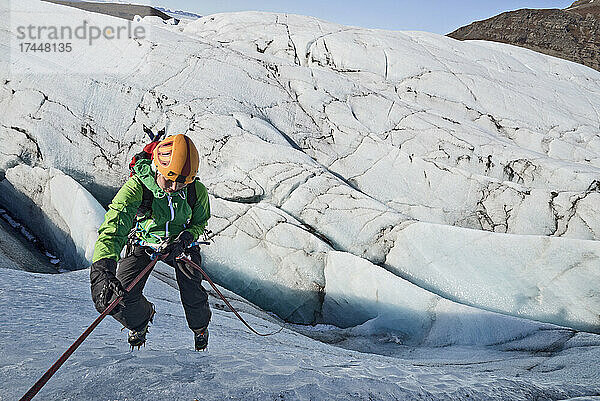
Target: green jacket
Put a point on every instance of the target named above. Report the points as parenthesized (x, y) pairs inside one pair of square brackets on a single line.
[(171, 214)]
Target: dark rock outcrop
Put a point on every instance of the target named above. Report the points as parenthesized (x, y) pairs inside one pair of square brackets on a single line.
[(125, 11), (571, 34)]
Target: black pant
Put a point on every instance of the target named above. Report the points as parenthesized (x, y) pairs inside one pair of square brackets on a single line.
[(137, 309)]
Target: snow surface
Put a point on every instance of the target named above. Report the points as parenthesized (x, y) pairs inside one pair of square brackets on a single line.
[(17, 252), (435, 200), (552, 364)]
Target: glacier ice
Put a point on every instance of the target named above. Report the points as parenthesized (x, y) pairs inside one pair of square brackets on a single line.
[(434, 200), (409, 151), (542, 278), (65, 216)]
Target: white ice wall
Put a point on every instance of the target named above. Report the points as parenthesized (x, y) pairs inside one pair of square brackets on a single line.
[(316, 137), (59, 210)]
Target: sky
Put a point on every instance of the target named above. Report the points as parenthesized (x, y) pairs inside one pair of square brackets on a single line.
[(438, 16)]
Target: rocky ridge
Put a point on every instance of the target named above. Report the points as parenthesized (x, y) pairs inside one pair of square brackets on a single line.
[(570, 33)]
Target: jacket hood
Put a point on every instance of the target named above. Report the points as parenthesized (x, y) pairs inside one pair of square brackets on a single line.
[(144, 171)]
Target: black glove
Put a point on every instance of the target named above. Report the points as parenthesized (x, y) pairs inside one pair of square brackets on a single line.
[(178, 246), (105, 286)]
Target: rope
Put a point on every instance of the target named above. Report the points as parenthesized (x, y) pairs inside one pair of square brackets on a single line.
[(195, 266), (50, 372)]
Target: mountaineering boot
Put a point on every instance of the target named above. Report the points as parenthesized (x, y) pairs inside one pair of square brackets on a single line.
[(201, 338), (138, 338)]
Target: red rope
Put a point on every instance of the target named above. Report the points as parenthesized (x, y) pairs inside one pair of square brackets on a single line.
[(50, 372)]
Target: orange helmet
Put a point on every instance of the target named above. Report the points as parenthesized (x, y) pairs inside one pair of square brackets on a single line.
[(176, 158)]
